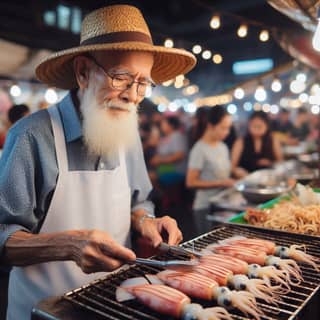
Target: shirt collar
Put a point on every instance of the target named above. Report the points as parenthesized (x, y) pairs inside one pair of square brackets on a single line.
[(70, 119)]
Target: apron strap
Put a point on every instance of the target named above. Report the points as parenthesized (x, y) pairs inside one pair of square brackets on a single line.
[(59, 139)]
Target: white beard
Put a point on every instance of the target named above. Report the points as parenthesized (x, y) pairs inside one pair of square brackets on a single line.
[(105, 133)]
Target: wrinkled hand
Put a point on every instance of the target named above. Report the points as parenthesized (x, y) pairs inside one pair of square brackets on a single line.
[(153, 229), (95, 251)]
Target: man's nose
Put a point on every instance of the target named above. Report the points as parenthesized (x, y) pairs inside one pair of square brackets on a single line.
[(130, 94)]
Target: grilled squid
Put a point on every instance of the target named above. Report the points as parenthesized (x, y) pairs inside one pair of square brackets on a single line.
[(167, 300), (257, 256), (237, 266), (223, 276), (199, 286), (271, 248)]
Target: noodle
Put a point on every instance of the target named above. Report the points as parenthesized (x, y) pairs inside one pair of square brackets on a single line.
[(289, 216)]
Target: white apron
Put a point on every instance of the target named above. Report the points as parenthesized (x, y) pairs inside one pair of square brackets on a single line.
[(82, 200)]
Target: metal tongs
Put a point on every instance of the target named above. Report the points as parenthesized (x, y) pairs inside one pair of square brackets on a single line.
[(164, 247), (177, 265)]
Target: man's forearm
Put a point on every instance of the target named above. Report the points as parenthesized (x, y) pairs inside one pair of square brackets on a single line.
[(22, 248)]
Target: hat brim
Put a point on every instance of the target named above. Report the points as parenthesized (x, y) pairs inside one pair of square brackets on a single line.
[(57, 69)]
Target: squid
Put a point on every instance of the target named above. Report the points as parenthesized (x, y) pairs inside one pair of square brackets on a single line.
[(253, 271), (223, 276), (199, 286), (167, 300), (257, 256), (271, 248)]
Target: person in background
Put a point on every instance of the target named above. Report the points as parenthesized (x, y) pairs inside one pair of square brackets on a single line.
[(209, 166), (282, 123), (73, 182), (170, 159), (300, 129), (199, 124), (282, 127), (17, 112), (258, 149), (169, 163), (231, 137)]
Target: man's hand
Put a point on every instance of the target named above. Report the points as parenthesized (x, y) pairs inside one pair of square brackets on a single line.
[(91, 250), (96, 251), (155, 229)]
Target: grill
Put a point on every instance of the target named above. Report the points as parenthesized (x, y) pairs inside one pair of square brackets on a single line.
[(97, 299)]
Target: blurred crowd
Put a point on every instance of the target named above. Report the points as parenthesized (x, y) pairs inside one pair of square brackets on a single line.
[(191, 158)]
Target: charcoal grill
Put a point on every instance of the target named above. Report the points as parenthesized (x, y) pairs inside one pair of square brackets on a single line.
[(97, 300)]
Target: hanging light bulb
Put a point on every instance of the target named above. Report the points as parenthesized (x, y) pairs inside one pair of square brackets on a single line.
[(15, 90), (215, 22), (242, 31), (206, 54), (217, 58), (260, 94), (238, 93), (196, 49), (276, 85), (168, 43), (316, 36), (264, 35), (51, 96)]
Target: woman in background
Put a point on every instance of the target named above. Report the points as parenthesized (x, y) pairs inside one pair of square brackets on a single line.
[(259, 149), (209, 165)]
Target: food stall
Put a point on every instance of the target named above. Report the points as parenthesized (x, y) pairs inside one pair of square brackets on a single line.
[(97, 300)]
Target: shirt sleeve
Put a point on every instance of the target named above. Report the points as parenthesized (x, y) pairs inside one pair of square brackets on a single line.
[(139, 180), (196, 158), (178, 143), (17, 192)]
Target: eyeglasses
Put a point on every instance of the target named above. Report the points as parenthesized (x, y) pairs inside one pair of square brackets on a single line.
[(123, 80)]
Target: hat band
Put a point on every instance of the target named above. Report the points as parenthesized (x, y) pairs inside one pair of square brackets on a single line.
[(121, 36)]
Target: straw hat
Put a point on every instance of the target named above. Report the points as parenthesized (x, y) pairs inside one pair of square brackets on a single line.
[(117, 27)]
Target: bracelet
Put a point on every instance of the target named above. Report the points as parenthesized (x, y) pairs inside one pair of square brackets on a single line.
[(145, 216)]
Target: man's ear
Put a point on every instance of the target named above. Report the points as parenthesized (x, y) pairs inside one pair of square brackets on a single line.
[(81, 71)]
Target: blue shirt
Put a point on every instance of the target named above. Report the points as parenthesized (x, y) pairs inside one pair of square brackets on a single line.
[(29, 171)]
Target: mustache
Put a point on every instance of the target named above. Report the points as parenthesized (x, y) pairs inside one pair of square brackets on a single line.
[(120, 105)]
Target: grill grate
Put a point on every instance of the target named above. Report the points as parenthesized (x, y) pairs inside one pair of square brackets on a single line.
[(99, 296)]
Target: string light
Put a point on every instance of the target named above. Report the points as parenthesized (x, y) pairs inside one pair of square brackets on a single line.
[(274, 109), (196, 49), (297, 86), (303, 97), (215, 22), (217, 58), (161, 107), (247, 106), (276, 85), (238, 93), (242, 31), (51, 96), (260, 94), (190, 90), (264, 35), (232, 108), (168, 43), (179, 81), (206, 54), (168, 83), (15, 90), (301, 77)]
